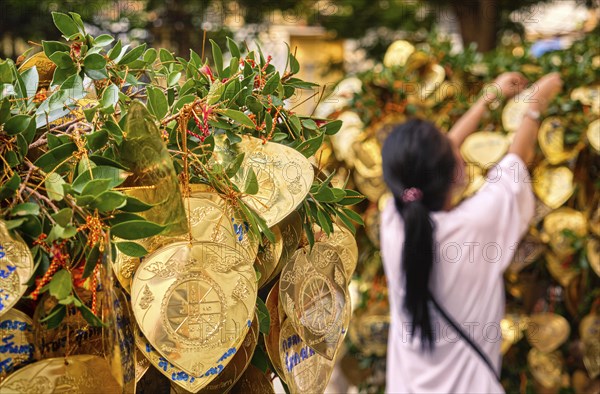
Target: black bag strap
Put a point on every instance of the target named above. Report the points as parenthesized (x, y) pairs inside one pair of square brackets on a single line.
[(462, 334)]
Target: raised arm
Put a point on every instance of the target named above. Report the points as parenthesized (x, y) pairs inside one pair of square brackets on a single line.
[(505, 86), (545, 89)]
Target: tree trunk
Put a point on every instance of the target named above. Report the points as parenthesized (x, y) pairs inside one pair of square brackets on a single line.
[(477, 20)]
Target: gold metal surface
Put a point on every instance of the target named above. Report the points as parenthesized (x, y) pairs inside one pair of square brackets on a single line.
[(142, 363), (559, 221), (372, 188), (253, 381), (16, 267), (553, 185), (551, 138), (45, 68), (397, 53), (512, 327), (272, 338), (291, 233), (369, 329), (561, 272), (484, 148), (546, 368), (588, 95), (515, 109), (16, 332), (344, 242), (313, 290), (304, 369), (591, 356), (73, 374), (284, 175), (194, 302), (268, 256), (593, 254), (593, 135), (547, 331)]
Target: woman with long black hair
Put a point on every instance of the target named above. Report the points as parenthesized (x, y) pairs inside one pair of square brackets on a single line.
[(444, 264)]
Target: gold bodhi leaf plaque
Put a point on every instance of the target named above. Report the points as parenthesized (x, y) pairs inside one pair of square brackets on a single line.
[(72, 374), (17, 341), (194, 302), (283, 174), (484, 148), (16, 267)]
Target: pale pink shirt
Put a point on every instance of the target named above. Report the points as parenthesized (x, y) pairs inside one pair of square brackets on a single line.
[(475, 242)]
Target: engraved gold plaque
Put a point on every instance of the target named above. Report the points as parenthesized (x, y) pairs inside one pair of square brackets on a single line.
[(561, 272), (268, 257), (313, 295), (304, 369), (589, 326), (272, 338), (515, 109), (593, 135), (546, 368), (141, 364), (588, 95), (284, 175), (194, 302), (553, 185), (45, 68), (253, 381), (591, 356), (73, 374), (555, 224), (369, 329), (593, 254), (16, 267), (484, 148), (344, 242), (291, 233), (397, 53), (512, 327), (547, 331), (551, 139), (16, 332)]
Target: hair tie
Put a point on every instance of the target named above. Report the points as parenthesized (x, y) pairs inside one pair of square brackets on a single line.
[(412, 194)]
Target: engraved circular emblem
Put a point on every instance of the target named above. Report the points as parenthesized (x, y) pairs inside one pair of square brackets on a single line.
[(318, 304), (193, 309)]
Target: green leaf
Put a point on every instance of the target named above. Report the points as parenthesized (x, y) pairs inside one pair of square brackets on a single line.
[(157, 102), (132, 249), (132, 55), (239, 117), (54, 46), (324, 221), (217, 57), (89, 316), (108, 201), (91, 261), (55, 316), (309, 147), (26, 208), (17, 124), (294, 65), (62, 60), (150, 55), (136, 229), (260, 360), (251, 184), (135, 205), (353, 215), (165, 56), (173, 79), (65, 24), (63, 217), (94, 61), (332, 127), (264, 318), (54, 188), (96, 187), (233, 137), (233, 48), (31, 79), (9, 188), (6, 74), (116, 175), (115, 50), (215, 92), (78, 21), (235, 165), (12, 224), (110, 96), (103, 40), (271, 84), (61, 284), (352, 197), (51, 159)]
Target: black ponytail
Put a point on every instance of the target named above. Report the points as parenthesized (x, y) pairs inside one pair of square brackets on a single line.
[(417, 155)]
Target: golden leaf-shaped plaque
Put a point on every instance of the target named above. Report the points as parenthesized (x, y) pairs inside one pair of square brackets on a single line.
[(72, 374), (484, 148), (345, 243), (253, 381), (432, 78), (141, 363), (559, 221), (313, 293), (593, 254), (343, 140), (553, 185), (272, 338), (515, 109), (512, 327), (398, 53), (589, 326), (368, 157), (304, 369), (591, 356), (588, 95), (547, 331), (291, 233), (546, 368), (268, 256), (17, 341), (16, 267), (561, 272), (194, 302), (372, 188), (593, 134), (551, 138), (45, 68), (284, 175), (369, 329)]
